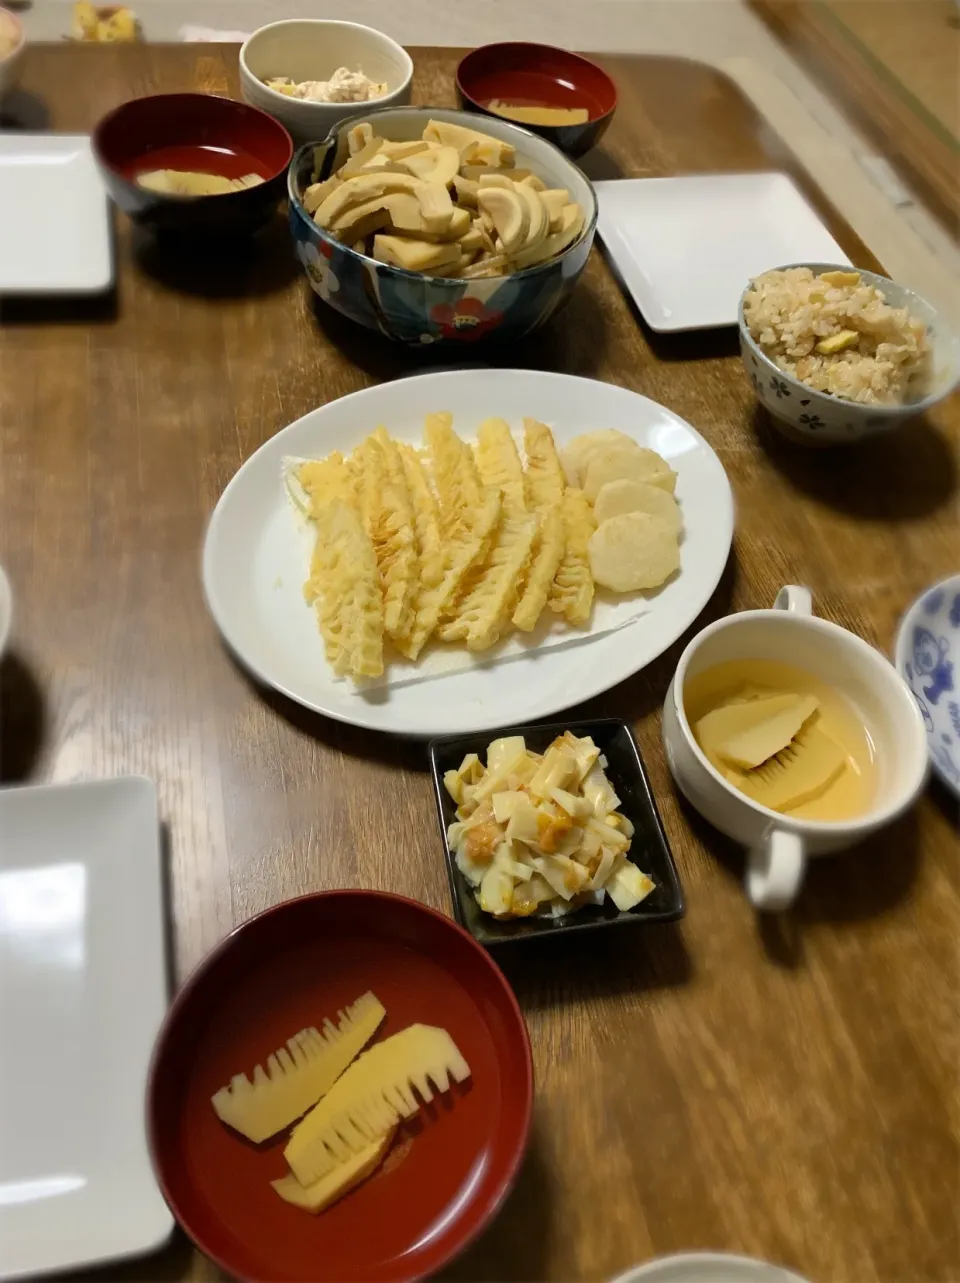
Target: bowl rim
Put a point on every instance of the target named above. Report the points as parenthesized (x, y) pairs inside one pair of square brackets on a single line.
[(110, 116), (525, 273), (539, 44), (219, 951), (17, 22), (910, 408), (275, 95), (901, 657)]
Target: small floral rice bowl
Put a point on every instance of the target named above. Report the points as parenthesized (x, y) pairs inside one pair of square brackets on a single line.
[(816, 417)]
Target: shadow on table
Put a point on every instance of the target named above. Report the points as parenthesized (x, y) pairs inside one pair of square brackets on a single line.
[(554, 970), (514, 1247), (54, 309), (599, 165), (244, 268), (22, 110), (22, 720), (864, 882), (571, 342), (896, 476), (355, 741), (174, 1261)]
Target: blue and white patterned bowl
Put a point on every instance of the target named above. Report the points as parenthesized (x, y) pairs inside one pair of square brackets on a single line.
[(415, 308), (928, 659), (816, 418)]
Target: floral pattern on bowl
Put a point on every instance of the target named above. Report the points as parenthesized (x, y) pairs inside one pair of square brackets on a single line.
[(928, 658), (816, 418), (417, 309)]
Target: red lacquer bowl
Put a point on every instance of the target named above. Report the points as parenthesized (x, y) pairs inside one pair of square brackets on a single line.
[(540, 75), (449, 1170), (194, 132)]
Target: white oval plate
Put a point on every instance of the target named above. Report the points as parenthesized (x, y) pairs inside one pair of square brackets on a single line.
[(253, 560)]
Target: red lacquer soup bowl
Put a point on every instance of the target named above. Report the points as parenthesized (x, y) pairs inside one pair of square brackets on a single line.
[(196, 133), (533, 75), (449, 1169)]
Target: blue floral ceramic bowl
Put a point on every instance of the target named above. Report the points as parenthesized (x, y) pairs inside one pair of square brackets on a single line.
[(410, 306), (928, 659), (816, 418)]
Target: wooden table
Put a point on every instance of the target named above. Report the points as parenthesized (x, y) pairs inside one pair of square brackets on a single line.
[(784, 1088)]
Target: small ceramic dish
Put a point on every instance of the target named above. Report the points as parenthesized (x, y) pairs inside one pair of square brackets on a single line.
[(450, 1168), (193, 132), (927, 656), (816, 418), (534, 75), (412, 307), (12, 40), (312, 49), (650, 850)]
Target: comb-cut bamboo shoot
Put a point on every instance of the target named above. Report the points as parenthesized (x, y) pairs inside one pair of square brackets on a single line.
[(372, 1097), (332, 1187), (799, 774), (296, 1076)]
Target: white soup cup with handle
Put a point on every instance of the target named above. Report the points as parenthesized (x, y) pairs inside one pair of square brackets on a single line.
[(779, 845)]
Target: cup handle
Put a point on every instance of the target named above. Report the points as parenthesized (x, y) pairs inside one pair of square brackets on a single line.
[(794, 598), (775, 869)]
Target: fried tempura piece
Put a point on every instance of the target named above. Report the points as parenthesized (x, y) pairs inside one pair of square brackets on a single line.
[(543, 479), (499, 465), (571, 593), (388, 520), (344, 588), (467, 546), (483, 613), (327, 479), (543, 485), (548, 553), (455, 474), (426, 517)]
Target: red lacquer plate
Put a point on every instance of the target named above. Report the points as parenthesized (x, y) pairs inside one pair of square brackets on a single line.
[(529, 74), (448, 1171)]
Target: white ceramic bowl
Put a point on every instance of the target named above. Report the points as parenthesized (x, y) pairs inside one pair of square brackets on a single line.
[(815, 418), (6, 610), (928, 660), (313, 49), (708, 1267), (779, 845), (11, 63)]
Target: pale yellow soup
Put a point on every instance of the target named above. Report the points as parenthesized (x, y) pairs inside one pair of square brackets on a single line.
[(831, 757)]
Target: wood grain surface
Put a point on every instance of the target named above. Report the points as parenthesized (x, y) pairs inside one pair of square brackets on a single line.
[(896, 65), (784, 1088)]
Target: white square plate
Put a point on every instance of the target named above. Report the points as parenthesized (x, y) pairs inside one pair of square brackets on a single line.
[(82, 994), (54, 216), (685, 248)]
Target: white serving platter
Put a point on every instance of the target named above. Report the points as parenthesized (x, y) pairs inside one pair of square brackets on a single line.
[(255, 560)]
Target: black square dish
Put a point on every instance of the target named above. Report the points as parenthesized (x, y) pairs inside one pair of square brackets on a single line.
[(649, 851)]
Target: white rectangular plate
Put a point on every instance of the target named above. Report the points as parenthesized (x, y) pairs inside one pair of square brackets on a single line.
[(82, 994), (685, 248), (54, 216)]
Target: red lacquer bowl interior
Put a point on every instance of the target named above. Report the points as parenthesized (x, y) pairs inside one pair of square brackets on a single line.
[(536, 75), (449, 1169), (198, 132)]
